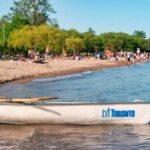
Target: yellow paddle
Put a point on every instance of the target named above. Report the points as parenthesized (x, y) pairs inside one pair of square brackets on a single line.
[(15, 100)]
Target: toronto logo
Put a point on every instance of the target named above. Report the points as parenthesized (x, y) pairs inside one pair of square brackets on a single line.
[(113, 113)]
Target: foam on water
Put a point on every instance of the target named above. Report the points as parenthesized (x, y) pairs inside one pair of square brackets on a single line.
[(51, 79)]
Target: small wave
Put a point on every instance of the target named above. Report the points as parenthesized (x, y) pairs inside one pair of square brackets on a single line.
[(52, 79), (138, 100), (87, 72)]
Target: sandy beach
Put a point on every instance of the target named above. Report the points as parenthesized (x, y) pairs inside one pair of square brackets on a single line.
[(17, 70)]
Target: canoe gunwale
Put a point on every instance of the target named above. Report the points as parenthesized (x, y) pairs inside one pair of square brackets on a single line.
[(71, 103)]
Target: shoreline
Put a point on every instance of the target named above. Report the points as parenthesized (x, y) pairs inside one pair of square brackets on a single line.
[(28, 71)]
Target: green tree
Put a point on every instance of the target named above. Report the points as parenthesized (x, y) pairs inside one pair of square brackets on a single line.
[(6, 26), (120, 41), (74, 44), (141, 34), (89, 41), (37, 37), (55, 37), (90, 30), (108, 40), (17, 22), (140, 43), (5, 29), (73, 33), (34, 12), (23, 38), (97, 43)]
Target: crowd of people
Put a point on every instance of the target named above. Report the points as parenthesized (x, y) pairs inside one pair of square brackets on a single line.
[(36, 57), (138, 55)]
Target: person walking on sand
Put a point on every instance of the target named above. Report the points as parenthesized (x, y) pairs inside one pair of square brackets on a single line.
[(47, 57), (128, 56)]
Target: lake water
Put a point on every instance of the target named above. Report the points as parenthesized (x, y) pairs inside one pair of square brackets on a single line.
[(109, 85), (117, 84)]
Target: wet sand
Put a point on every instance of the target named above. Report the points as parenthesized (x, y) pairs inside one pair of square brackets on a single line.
[(24, 71)]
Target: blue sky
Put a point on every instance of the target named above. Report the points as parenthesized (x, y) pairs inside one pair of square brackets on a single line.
[(102, 15)]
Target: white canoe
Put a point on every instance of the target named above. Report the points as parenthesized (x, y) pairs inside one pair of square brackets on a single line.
[(75, 113)]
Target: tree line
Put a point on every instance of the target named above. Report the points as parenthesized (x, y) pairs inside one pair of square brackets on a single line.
[(29, 25)]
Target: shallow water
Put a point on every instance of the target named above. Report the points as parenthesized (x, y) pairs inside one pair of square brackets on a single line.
[(108, 85), (74, 137)]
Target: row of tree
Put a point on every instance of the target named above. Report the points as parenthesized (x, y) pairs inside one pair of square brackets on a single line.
[(42, 36), (29, 26)]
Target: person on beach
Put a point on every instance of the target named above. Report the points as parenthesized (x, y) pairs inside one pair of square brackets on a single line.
[(31, 54), (134, 57), (97, 54), (128, 56), (48, 57)]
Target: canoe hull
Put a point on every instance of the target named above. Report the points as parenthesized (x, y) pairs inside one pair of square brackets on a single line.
[(75, 113)]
